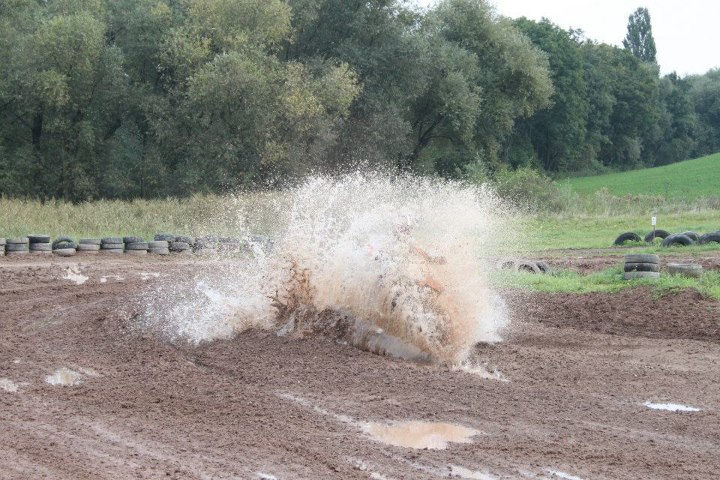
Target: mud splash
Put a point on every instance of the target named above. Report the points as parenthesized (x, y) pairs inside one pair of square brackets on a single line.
[(391, 265)]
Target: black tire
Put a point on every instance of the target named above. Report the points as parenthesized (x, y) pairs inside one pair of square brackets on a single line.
[(657, 234), (642, 258), (710, 237), (111, 240), (677, 239), (167, 237), (627, 237), (505, 264), (113, 246), (133, 240), (158, 244), (544, 267), (63, 244), (33, 238), (642, 267), (685, 269), (160, 251), (179, 246), (183, 239), (88, 247), (136, 246), (17, 247), (17, 241), (90, 241), (64, 252), (113, 250), (41, 247), (692, 235), (527, 266), (641, 275)]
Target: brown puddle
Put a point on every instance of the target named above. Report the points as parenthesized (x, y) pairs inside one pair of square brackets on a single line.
[(415, 434)]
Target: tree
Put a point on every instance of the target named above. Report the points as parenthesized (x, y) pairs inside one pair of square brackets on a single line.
[(639, 39), (556, 133)]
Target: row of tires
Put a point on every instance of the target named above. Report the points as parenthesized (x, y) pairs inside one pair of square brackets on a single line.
[(528, 266), (670, 239), (646, 266), (163, 244)]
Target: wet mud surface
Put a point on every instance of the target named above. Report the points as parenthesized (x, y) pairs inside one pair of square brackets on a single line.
[(575, 373)]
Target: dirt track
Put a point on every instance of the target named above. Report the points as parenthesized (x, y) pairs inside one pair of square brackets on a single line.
[(579, 369)]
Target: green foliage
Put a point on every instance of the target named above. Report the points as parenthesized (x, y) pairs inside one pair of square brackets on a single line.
[(529, 190), (147, 98), (639, 39)]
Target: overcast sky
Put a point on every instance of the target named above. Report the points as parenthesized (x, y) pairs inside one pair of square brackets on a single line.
[(686, 32)]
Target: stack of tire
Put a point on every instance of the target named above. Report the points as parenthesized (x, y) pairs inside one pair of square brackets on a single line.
[(181, 244), (206, 245), (135, 246), (2, 247), (17, 246), (230, 245), (112, 245), (642, 266), (89, 246), (40, 244), (161, 243), (64, 247)]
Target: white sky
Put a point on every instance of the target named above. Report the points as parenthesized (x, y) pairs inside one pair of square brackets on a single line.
[(686, 32)]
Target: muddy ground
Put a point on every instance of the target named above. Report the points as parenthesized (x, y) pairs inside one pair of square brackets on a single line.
[(563, 397)]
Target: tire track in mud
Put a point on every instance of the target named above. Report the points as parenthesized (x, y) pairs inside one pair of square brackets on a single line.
[(573, 402)]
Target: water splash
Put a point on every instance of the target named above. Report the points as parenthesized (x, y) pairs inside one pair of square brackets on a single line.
[(388, 264)]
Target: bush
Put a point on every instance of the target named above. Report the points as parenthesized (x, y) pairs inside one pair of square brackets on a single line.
[(530, 190)]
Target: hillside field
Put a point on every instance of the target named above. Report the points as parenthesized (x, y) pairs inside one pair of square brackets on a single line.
[(689, 180)]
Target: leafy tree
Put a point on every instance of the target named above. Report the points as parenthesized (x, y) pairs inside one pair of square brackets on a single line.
[(639, 38), (558, 133), (513, 74)]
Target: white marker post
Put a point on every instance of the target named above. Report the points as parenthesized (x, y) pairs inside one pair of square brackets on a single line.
[(654, 222)]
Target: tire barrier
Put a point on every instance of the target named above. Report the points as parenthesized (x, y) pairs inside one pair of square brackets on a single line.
[(522, 265), (89, 246), (17, 246), (162, 244), (709, 237), (661, 234), (677, 239), (670, 239), (641, 266), (627, 237), (685, 269)]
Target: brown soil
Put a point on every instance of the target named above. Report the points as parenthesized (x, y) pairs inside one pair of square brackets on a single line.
[(579, 369)]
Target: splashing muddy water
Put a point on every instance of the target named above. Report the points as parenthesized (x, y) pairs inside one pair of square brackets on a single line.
[(391, 265)]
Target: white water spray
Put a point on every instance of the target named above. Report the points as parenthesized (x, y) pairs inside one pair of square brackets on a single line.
[(389, 264)]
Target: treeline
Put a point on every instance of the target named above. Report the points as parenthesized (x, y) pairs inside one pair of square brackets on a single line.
[(145, 98)]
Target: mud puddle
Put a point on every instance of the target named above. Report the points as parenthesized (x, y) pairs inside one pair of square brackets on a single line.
[(421, 435)]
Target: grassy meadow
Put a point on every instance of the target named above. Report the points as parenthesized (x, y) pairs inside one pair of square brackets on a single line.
[(688, 180)]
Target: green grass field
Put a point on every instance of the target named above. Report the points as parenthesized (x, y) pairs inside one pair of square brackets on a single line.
[(689, 180), (550, 232)]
